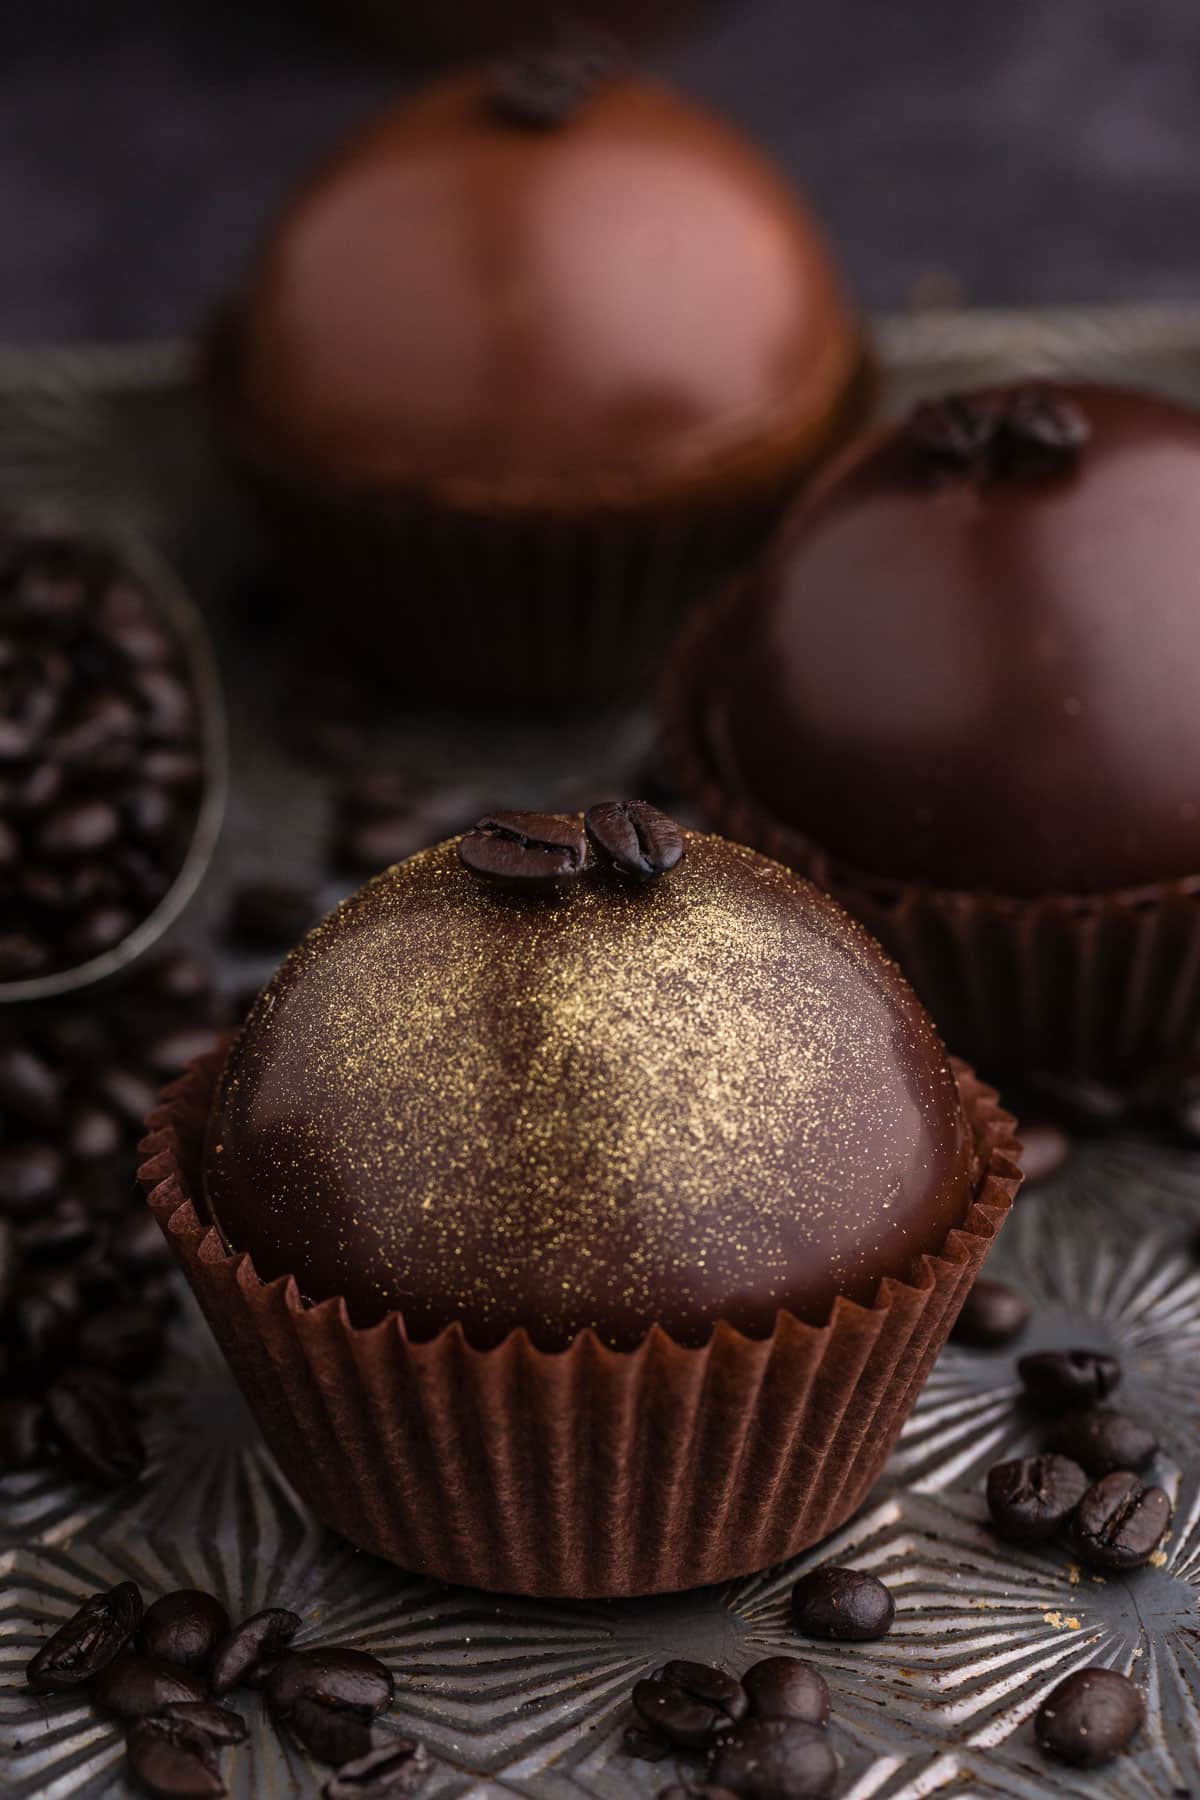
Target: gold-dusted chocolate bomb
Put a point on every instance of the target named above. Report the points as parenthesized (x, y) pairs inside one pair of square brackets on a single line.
[(712, 1097)]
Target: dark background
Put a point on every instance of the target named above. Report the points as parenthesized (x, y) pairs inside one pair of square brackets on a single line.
[(1028, 151)]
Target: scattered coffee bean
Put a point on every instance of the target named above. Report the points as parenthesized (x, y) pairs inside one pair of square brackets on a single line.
[(63, 1232), (1084, 1104), (368, 839), (92, 829), (331, 1734), (529, 853), (22, 1424), (272, 915), (1045, 1149), (334, 1676), (993, 1314), (695, 1790), (634, 838), (783, 1687), (637, 1740), (1102, 1440), (846, 1604), (1090, 1717), (774, 1759), (1032, 1497), (89, 1641), (1120, 1522), (93, 1133), (377, 793), (132, 1685), (30, 1175), (688, 1703), (217, 1723), (30, 1088), (170, 1054), (257, 1639), (185, 1628), (92, 1423), (1057, 1380), (170, 1762), (395, 1769), (124, 1340)]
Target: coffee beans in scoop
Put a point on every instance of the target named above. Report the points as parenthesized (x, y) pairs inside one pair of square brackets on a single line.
[(101, 754)]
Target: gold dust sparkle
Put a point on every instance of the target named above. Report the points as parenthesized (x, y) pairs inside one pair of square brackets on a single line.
[(710, 1097)]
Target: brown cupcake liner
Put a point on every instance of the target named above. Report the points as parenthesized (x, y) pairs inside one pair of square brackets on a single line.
[(587, 1472), (1102, 987), (521, 603)]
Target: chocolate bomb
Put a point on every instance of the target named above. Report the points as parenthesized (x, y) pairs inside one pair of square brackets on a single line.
[(970, 661), (468, 304), (708, 1098)]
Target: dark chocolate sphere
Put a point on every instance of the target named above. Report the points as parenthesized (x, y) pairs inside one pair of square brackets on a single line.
[(709, 1098), (497, 311), (972, 661)]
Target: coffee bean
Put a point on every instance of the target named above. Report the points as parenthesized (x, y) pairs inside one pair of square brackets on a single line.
[(695, 1790), (530, 853), (1102, 1440), (634, 838), (185, 1628), (1057, 1380), (272, 915), (21, 956), (85, 829), (8, 1261), (1090, 1717), (377, 793), (66, 1230), (1120, 1522), (1032, 1497), (647, 1746), (92, 1133), (132, 1685), (396, 1768), (783, 1687), (1044, 1150), (170, 1763), (364, 845), (845, 1604), (136, 1243), (688, 1703), (42, 1319), (170, 1054), (174, 978), (331, 1734), (129, 1093), (774, 1759), (993, 1314), (30, 1175), (22, 1423), (1085, 1104), (92, 1423), (29, 1087), (89, 1641), (99, 931), (124, 1340), (218, 1724), (332, 1675), (260, 1637)]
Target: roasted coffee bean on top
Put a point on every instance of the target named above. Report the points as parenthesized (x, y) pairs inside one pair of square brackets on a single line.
[(101, 754)]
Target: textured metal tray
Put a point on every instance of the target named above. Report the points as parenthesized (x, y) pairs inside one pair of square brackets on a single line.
[(530, 1698)]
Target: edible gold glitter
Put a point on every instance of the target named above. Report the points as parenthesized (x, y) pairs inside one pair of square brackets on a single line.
[(707, 1098)]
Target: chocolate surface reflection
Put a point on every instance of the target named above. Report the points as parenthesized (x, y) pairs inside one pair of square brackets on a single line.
[(708, 1098)]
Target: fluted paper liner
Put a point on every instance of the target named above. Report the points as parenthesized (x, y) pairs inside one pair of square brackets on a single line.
[(515, 603), (589, 1471), (1103, 986)]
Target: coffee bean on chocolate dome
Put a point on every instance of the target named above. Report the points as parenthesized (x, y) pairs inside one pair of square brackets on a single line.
[(783, 1687), (1102, 1440), (531, 853), (133, 1685), (1120, 1522), (993, 1314), (634, 839), (1032, 1497), (688, 1703), (1090, 1717), (185, 1627), (774, 1759), (1057, 1380), (848, 1605)]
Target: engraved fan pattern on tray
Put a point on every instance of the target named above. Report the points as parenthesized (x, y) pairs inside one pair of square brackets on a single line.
[(531, 1698)]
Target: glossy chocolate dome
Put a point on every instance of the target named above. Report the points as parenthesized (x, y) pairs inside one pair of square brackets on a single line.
[(978, 668), (571, 312), (711, 1097)]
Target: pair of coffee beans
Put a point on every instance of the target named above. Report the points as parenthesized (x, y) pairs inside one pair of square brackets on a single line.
[(101, 755), (542, 854)]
